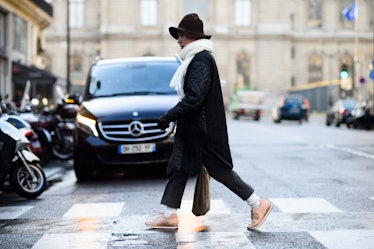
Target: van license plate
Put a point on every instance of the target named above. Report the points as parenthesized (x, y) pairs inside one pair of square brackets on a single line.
[(136, 148)]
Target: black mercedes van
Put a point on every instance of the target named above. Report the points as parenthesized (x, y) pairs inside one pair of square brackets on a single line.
[(116, 126)]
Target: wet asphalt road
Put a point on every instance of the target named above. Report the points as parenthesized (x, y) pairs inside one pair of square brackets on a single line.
[(319, 179)]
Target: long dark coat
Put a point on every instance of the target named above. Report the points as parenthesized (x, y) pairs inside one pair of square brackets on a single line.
[(200, 117)]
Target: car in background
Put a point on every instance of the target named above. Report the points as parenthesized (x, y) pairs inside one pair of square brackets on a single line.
[(291, 107), (340, 112), (362, 116), (116, 126), (246, 102)]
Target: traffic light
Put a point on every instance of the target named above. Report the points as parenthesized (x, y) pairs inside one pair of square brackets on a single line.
[(344, 74), (346, 82)]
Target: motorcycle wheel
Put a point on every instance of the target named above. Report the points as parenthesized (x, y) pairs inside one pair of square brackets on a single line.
[(63, 150), (26, 185)]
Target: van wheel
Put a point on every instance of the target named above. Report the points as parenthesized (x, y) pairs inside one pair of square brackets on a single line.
[(83, 170)]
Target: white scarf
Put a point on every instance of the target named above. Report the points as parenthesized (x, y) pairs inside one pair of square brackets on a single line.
[(186, 55)]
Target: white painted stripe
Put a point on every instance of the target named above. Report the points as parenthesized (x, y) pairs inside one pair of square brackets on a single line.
[(352, 151), (105, 209), (73, 241), (304, 205), (13, 212), (371, 198), (216, 207), (213, 240), (347, 239)]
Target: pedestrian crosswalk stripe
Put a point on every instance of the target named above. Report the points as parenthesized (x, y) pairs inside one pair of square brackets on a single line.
[(73, 241), (13, 212), (104, 209), (214, 240), (345, 239), (304, 205), (216, 207), (100, 225)]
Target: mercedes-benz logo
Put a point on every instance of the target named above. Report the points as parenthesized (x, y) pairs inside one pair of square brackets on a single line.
[(136, 128)]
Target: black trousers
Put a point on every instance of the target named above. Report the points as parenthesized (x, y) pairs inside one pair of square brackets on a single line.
[(218, 168)]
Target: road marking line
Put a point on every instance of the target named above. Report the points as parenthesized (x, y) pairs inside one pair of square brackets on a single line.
[(354, 152), (13, 212), (214, 240), (346, 239), (304, 205), (216, 207), (104, 209), (73, 240)]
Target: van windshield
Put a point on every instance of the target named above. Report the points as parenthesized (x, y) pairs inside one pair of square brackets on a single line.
[(133, 78)]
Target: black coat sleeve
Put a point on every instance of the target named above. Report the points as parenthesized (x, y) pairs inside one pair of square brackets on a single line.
[(196, 85)]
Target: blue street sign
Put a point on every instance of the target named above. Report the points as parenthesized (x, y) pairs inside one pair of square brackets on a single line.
[(371, 75)]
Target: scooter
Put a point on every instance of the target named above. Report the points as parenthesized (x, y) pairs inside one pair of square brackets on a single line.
[(19, 168), (36, 146)]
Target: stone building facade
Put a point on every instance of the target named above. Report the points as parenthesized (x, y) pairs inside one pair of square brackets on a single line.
[(22, 43), (270, 45)]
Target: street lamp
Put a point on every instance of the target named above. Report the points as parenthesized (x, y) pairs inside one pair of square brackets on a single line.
[(68, 46)]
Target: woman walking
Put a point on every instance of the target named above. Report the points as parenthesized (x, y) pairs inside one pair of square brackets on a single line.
[(201, 136)]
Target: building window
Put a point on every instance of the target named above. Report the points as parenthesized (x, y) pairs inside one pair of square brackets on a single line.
[(148, 12), (371, 18), (293, 81), (76, 13), (76, 63), (292, 52), (315, 14), (2, 33), (3, 75), (20, 35), (243, 10), (314, 68), (200, 7), (344, 23)]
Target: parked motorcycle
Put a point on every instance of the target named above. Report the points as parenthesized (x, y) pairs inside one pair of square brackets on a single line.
[(19, 168), (43, 134), (59, 123)]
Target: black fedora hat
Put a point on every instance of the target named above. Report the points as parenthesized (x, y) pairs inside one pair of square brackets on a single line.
[(191, 26)]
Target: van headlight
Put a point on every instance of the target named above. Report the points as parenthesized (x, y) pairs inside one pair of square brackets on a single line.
[(88, 122)]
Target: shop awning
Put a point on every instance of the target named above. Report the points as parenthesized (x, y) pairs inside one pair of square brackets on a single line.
[(22, 73)]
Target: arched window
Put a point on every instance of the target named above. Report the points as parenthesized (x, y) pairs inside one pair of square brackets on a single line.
[(314, 68), (243, 69)]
